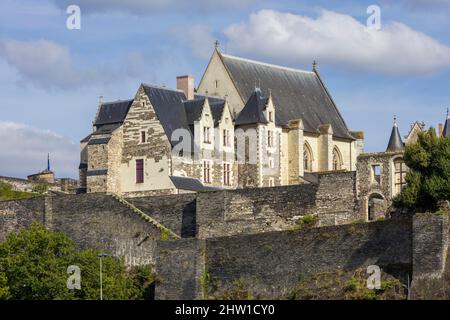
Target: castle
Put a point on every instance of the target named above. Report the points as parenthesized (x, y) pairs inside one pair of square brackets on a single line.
[(270, 147), (248, 124)]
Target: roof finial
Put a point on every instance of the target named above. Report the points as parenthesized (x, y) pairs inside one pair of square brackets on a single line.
[(48, 161), (314, 65), (216, 44), (100, 100), (206, 92), (395, 120), (448, 114)]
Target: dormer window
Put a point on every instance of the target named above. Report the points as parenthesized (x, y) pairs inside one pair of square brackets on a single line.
[(270, 116), (226, 138), (206, 135)]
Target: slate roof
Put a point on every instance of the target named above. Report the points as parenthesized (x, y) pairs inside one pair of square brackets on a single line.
[(113, 112), (193, 109), (296, 94), (99, 141), (169, 107), (446, 131), (217, 111), (191, 184), (252, 112), (395, 141)]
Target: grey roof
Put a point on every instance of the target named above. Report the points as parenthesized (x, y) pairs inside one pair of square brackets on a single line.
[(99, 141), (446, 131), (113, 112), (395, 141), (217, 111), (191, 184), (296, 94), (169, 108), (193, 109), (100, 172), (253, 110)]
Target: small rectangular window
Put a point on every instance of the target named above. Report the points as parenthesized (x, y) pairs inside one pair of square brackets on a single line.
[(226, 138), (227, 174), (377, 173), (206, 172), (206, 135), (270, 138), (140, 171), (143, 137), (270, 116)]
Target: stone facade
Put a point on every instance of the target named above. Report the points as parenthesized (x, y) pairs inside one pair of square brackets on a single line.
[(257, 154)]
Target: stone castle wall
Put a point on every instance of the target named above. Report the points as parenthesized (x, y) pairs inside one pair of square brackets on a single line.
[(91, 220), (271, 265)]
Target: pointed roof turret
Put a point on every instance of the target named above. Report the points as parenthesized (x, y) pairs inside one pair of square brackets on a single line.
[(446, 131), (395, 141)]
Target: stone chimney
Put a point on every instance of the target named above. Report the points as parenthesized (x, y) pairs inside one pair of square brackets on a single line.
[(440, 129), (186, 84)]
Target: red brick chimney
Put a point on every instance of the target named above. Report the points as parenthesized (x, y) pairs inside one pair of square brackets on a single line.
[(186, 84), (440, 128)]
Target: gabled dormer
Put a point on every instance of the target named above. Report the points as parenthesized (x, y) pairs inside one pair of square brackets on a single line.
[(269, 110)]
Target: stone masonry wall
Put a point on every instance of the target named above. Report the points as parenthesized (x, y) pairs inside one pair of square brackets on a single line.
[(252, 210), (91, 220), (336, 198), (20, 214), (269, 265)]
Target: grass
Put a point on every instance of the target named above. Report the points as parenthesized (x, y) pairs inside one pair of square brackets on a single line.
[(6, 193)]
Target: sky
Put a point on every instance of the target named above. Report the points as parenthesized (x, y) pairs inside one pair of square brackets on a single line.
[(51, 77)]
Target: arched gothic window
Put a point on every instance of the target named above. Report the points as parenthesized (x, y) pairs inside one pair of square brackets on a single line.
[(307, 158), (337, 159)]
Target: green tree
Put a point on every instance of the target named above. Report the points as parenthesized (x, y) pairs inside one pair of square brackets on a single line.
[(428, 180), (34, 262)]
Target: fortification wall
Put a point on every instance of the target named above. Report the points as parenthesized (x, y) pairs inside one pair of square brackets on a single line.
[(270, 264), (91, 220), (15, 215), (18, 184), (176, 212), (333, 200)]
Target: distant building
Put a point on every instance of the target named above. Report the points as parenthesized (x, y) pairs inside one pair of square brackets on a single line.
[(46, 175)]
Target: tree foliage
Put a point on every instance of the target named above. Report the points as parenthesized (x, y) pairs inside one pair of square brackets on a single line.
[(34, 262), (428, 181)]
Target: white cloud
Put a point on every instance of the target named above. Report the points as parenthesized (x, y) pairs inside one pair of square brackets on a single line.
[(43, 62), (198, 37), (49, 65), (25, 148), (151, 6), (337, 39)]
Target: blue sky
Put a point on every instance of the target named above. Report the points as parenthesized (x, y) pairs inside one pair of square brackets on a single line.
[(51, 77)]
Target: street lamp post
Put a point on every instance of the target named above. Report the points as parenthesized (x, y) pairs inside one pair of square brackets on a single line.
[(100, 256)]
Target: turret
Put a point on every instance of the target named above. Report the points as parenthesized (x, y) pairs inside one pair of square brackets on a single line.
[(395, 141)]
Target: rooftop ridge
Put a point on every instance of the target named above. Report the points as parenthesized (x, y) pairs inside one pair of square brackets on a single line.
[(267, 64), (117, 101), (161, 87)]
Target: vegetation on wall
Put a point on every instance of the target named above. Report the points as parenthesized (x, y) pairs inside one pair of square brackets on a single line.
[(428, 181), (7, 193), (34, 266)]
